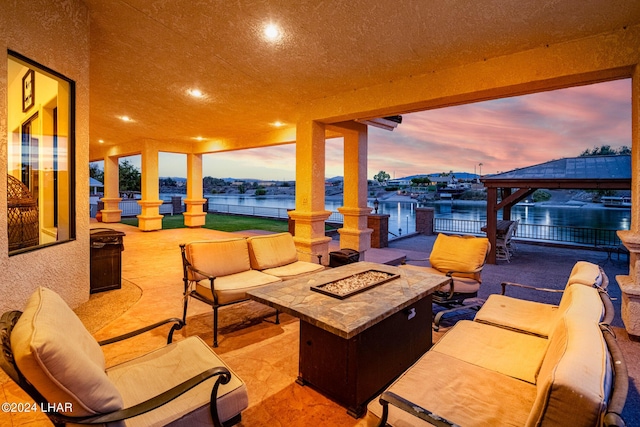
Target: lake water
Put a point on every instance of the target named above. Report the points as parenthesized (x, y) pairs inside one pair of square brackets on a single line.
[(402, 214)]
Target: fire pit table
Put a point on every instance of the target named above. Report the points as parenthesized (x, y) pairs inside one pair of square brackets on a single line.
[(361, 325)]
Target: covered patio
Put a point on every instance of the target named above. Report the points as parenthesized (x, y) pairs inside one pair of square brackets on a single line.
[(197, 78), (265, 355)]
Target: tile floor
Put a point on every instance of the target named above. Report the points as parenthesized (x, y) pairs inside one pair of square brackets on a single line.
[(263, 354)]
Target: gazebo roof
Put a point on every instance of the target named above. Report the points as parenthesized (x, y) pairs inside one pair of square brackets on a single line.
[(95, 183), (587, 172)]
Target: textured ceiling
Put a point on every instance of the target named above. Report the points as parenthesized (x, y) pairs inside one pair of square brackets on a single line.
[(145, 54)]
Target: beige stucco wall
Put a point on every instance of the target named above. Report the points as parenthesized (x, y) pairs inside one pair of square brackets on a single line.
[(589, 60), (56, 35)]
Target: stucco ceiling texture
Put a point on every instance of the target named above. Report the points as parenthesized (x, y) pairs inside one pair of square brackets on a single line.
[(146, 54)]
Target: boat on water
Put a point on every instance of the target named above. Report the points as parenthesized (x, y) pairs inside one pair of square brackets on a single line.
[(616, 201)]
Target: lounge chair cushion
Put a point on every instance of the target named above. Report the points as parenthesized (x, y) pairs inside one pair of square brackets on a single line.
[(518, 314), (461, 392), (585, 273), (539, 318), (234, 287), (206, 256), (459, 253), (507, 352), (272, 250), (575, 377), (148, 375), (57, 354)]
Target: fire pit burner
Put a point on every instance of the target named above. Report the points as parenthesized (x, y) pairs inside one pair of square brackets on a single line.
[(356, 283)]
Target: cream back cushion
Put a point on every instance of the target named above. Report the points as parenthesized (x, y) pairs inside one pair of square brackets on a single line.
[(581, 301), (585, 273), (575, 377), (218, 257), (272, 250), (60, 358), (459, 253)]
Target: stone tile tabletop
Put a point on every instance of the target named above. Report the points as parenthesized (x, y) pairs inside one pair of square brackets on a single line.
[(352, 315)]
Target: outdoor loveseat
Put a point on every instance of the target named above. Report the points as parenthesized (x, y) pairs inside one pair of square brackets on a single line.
[(220, 272)]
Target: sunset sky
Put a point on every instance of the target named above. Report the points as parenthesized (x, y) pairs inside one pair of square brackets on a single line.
[(502, 135)]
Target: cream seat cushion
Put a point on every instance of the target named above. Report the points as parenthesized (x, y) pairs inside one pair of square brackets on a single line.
[(462, 393), (539, 318), (518, 314), (234, 287), (497, 349), (295, 269), (148, 375), (56, 353)]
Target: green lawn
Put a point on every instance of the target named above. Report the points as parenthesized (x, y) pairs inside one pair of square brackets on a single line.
[(222, 223)]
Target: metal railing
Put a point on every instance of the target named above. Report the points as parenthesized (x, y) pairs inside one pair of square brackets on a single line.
[(265, 212), (464, 226), (131, 208), (336, 217), (261, 211), (584, 236)]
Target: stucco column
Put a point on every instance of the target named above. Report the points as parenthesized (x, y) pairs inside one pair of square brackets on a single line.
[(310, 213), (150, 218), (355, 233), (194, 216), (111, 199), (630, 285)]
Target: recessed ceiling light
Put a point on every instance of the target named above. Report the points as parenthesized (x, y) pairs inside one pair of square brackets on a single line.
[(125, 118), (198, 138), (196, 93), (278, 124), (101, 141), (272, 32)]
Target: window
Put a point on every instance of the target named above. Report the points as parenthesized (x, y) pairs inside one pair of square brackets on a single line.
[(40, 156)]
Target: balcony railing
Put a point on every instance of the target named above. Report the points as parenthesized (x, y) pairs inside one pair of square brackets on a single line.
[(584, 236), (261, 211), (131, 208)]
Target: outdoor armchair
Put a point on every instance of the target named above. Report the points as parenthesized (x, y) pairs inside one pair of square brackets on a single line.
[(461, 258), (49, 353), (505, 247)]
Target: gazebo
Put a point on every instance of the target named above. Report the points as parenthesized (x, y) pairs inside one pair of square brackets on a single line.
[(94, 184), (612, 172)]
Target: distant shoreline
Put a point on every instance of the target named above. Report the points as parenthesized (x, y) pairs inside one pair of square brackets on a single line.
[(397, 198)]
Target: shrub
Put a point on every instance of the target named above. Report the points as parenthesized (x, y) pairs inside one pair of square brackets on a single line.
[(541, 196)]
